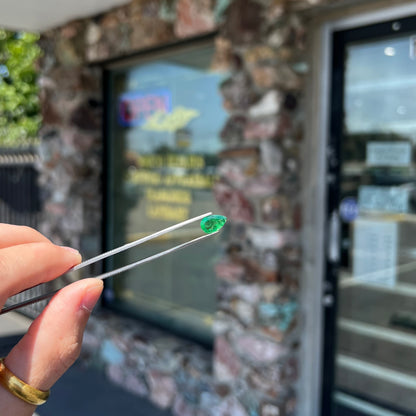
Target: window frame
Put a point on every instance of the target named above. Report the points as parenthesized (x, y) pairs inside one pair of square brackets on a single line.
[(140, 57)]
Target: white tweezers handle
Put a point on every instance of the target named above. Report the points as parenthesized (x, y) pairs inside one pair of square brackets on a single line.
[(124, 268), (137, 242), (153, 257)]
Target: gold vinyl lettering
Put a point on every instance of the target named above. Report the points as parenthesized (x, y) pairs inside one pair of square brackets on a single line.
[(167, 182), (171, 161), (151, 161), (144, 177), (173, 196), (185, 161), (193, 181), (167, 212), (151, 178)]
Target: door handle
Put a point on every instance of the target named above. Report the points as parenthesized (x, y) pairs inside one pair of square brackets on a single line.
[(333, 248)]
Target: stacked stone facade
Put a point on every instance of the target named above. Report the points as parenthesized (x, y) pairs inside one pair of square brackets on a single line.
[(253, 367)]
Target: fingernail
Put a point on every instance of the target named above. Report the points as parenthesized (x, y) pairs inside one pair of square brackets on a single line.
[(73, 250), (91, 295)]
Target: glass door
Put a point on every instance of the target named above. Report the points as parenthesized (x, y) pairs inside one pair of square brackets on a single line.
[(373, 203)]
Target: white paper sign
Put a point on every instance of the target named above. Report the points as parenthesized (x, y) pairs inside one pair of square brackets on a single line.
[(383, 199), (397, 154), (375, 252)]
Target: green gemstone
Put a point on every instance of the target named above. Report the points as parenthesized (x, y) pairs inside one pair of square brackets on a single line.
[(213, 223)]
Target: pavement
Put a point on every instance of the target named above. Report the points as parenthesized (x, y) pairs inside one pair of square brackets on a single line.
[(81, 391)]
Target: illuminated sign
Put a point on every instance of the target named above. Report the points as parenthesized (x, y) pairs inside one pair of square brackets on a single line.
[(178, 119), (136, 107)]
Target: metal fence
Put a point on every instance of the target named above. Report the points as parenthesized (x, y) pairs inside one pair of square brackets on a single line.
[(19, 191), (20, 203)]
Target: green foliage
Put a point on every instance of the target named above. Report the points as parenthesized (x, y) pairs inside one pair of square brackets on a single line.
[(19, 103)]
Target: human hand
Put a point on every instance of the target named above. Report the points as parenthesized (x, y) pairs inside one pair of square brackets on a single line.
[(53, 341)]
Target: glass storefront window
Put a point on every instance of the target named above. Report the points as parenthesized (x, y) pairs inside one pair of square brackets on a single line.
[(164, 118)]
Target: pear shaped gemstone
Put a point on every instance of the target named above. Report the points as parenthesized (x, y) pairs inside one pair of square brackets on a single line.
[(213, 223)]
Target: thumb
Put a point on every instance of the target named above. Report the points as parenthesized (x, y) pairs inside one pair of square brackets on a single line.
[(53, 342)]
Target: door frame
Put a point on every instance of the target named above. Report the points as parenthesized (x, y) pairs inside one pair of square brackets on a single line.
[(320, 229)]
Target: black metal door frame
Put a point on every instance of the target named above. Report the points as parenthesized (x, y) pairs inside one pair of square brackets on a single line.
[(333, 175)]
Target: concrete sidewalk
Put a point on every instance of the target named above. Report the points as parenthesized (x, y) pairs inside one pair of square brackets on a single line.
[(81, 391)]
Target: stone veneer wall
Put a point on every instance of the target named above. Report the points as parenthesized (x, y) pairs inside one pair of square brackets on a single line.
[(254, 366)]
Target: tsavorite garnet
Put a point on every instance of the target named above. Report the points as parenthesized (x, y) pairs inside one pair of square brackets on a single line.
[(213, 223)]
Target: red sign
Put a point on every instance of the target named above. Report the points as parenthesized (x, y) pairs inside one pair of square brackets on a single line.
[(136, 107)]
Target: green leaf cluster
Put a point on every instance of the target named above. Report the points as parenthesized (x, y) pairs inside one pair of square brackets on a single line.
[(19, 103)]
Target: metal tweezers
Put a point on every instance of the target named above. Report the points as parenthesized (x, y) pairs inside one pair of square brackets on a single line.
[(124, 268)]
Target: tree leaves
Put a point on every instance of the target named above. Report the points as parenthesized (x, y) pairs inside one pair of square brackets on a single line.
[(19, 103)]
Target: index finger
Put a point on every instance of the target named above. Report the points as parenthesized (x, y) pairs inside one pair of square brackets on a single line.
[(27, 265), (12, 235)]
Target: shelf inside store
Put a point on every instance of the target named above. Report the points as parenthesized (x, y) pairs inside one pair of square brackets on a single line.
[(374, 355), (377, 382), (375, 304)]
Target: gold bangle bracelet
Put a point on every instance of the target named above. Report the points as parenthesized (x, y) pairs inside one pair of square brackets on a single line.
[(19, 388)]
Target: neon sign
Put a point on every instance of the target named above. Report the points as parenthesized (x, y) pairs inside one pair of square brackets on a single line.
[(177, 119), (136, 107)]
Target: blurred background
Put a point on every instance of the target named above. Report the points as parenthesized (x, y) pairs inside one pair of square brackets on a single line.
[(296, 120)]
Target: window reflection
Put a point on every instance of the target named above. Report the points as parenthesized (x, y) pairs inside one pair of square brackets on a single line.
[(164, 140), (377, 283)]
